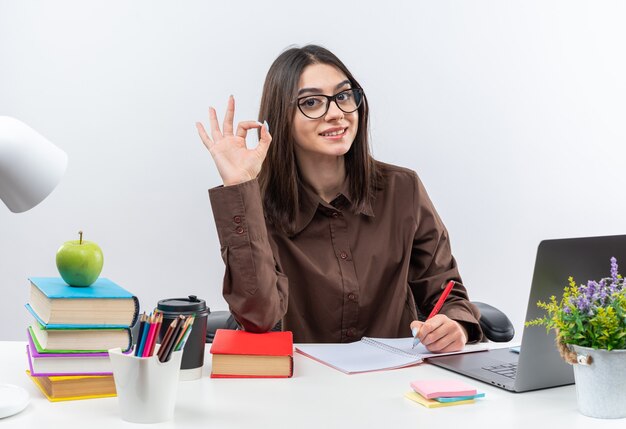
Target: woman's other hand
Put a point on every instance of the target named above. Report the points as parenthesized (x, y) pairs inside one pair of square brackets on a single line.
[(235, 162)]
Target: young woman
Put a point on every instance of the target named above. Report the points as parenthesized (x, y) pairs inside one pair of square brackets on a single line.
[(317, 234)]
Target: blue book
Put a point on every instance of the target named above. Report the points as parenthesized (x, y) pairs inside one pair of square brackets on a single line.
[(104, 304)]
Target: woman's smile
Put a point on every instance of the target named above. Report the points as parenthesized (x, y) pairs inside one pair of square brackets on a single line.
[(336, 133)]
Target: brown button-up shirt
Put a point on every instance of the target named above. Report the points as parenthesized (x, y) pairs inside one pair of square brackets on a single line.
[(342, 275)]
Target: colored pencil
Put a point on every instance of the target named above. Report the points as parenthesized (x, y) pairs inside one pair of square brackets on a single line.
[(169, 347), (142, 327), (186, 327), (181, 345), (150, 336), (159, 321), (166, 339)]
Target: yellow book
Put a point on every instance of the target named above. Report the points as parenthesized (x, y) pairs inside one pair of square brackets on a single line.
[(69, 388), (431, 403)]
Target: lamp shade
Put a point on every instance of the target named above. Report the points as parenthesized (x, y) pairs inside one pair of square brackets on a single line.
[(30, 165)]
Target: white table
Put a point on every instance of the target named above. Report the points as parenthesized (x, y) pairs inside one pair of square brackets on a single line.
[(316, 397)]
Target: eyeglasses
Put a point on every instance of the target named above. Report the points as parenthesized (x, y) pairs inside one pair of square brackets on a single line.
[(316, 106)]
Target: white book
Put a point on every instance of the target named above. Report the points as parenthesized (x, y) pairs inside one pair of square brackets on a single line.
[(68, 364), (374, 354)]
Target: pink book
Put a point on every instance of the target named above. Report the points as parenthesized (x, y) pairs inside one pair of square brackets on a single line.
[(442, 388)]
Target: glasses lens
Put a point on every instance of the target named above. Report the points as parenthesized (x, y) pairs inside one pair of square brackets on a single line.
[(349, 100), (314, 106)]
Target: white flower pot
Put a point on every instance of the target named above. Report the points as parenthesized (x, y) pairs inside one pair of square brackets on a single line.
[(601, 382)]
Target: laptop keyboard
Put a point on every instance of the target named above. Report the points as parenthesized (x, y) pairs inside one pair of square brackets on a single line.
[(507, 370)]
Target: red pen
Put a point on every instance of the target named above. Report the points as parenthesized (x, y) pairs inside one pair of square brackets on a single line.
[(441, 300), (436, 309)]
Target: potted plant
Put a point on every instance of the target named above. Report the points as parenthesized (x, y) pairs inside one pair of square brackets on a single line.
[(590, 326)]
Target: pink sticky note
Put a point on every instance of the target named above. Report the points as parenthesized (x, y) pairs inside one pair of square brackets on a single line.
[(442, 388)]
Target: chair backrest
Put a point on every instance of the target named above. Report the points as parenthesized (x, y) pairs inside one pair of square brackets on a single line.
[(494, 323)]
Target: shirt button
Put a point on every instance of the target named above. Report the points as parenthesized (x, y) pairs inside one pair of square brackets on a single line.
[(237, 219), (343, 255), (350, 332), (335, 215), (352, 297), (239, 230)]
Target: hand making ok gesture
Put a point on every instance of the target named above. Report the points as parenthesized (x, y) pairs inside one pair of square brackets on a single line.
[(235, 162)]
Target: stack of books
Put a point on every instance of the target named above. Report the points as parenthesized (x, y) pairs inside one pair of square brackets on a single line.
[(442, 393), (73, 328)]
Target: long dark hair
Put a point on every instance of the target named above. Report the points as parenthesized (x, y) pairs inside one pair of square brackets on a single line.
[(279, 174)]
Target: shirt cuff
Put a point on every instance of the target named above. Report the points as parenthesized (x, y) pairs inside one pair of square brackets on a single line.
[(238, 212)]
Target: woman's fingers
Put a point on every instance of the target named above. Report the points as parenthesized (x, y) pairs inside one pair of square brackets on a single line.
[(243, 127), (204, 136), (265, 140), (442, 334), (229, 117), (216, 134)]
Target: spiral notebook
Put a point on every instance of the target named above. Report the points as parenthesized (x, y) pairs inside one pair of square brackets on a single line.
[(374, 354)]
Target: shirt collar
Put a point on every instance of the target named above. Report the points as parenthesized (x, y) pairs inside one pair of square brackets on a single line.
[(310, 202)]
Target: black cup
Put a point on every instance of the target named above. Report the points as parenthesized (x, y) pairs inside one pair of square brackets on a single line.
[(193, 353)]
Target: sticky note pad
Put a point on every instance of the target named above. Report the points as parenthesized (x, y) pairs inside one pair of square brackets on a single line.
[(442, 388), (431, 403)]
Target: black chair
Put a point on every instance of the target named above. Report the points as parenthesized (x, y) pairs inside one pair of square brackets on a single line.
[(219, 320), (494, 323)]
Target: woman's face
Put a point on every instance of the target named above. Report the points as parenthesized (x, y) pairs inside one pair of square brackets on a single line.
[(333, 133)]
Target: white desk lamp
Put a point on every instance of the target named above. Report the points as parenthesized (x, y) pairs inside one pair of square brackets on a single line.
[(30, 168)]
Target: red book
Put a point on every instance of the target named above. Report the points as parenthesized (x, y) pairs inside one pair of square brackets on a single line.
[(240, 354)]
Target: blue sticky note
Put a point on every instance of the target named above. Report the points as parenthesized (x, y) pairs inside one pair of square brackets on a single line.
[(460, 398)]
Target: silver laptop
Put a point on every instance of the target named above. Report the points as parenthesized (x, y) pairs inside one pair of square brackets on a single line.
[(538, 364)]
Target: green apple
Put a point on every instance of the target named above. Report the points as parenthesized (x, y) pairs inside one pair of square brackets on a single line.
[(79, 262)]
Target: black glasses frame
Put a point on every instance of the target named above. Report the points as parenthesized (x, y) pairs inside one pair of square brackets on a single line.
[(358, 92)]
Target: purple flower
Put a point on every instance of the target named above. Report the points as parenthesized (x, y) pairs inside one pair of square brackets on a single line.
[(582, 303), (591, 287), (567, 310), (614, 269), (611, 287)]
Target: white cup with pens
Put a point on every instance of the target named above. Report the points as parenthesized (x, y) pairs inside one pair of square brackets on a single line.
[(147, 379)]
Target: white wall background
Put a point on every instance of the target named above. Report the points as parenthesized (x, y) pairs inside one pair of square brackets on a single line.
[(512, 112)]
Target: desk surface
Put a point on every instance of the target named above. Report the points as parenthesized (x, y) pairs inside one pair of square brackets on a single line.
[(316, 397)]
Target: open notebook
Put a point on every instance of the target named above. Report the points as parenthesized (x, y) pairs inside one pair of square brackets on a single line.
[(374, 354)]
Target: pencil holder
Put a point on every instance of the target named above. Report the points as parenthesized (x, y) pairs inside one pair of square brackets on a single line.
[(146, 388)]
